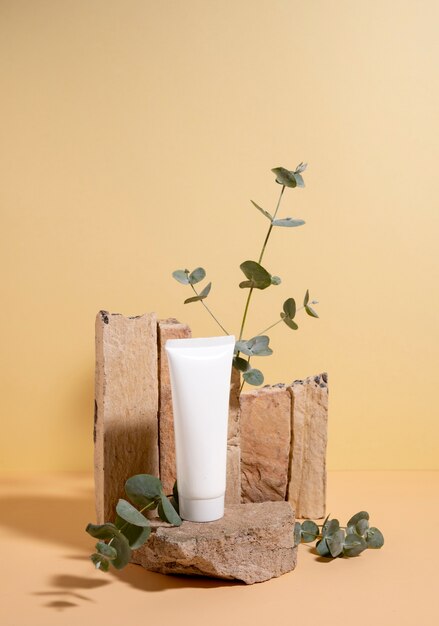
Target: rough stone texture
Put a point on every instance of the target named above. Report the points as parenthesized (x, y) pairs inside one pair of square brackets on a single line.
[(167, 329), (126, 404), (252, 543), (233, 483), (265, 419), (307, 472)]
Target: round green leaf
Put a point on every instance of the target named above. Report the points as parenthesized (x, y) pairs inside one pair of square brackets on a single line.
[(105, 550), (263, 211), (100, 562), (289, 308), (240, 364), (288, 222), (310, 531), (258, 277), (310, 311), (297, 533), (300, 168), (335, 542), (136, 535), (289, 322), (203, 294), (197, 275), (285, 177), (374, 538), (102, 531), (322, 548), (299, 179), (130, 514), (120, 543), (330, 527), (142, 489), (256, 346), (356, 518), (361, 526), (276, 280), (181, 276), (253, 377), (167, 512), (354, 545)]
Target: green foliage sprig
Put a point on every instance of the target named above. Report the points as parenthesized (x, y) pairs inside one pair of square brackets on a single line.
[(257, 277), (131, 529), (334, 540)]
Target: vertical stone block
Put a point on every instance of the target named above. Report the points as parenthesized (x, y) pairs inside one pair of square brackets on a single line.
[(307, 472), (167, 329), (233, 484), (265, 420), (126, 405)]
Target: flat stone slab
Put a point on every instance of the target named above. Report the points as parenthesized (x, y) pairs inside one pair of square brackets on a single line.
[(252, 542)]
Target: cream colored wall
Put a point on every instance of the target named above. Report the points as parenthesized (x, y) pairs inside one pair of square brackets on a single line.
[(134, 133)]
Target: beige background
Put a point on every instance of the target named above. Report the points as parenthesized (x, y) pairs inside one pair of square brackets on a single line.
[(133, 135)]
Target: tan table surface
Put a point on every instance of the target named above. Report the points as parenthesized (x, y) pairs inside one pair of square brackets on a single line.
[(47, 579)]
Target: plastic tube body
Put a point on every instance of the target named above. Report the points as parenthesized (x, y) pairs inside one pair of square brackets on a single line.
[(200, 371)]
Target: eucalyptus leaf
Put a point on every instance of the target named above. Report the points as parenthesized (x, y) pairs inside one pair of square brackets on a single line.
[(263, 211), (356, 518), (300, 168), (289, 308), (253, 377), (374, 538), (330, 528), (130, 514), (105, 550), (306, 298), (310, 311), (361, 526), (276, 280), (297, 533), (289, 322), (143, 489), (299, 179), (136, 535), (354, 545), (203, 294), (310, 531), (182, 276), (322, 548), (175, 492), (100, 562), (120, 543), (256, 346), (288, 222), (197, 275), (258, 277), (285, 177), (240, 364), (167, 512), (335, 542), (102, 531)]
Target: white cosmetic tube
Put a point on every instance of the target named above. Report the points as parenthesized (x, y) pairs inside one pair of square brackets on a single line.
[(200, 372)]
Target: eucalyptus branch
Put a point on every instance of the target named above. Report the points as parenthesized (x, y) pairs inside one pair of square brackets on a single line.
[(209, 311), (264, 245), (279, 321)]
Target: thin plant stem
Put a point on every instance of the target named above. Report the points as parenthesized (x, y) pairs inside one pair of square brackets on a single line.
[(264, 245), (210, 312), (278, 322)]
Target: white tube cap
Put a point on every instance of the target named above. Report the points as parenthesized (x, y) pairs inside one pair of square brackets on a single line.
[(201, 510)]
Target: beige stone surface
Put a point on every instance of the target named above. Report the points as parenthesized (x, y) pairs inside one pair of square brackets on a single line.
[(265, 421), (252, 543), (307, 472), (233, 480), (126, 404), (167, 329)]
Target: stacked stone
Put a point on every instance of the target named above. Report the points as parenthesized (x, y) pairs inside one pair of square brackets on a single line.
[(276, 453)]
